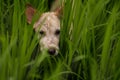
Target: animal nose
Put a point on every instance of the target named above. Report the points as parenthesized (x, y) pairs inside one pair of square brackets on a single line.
[(51, 51)]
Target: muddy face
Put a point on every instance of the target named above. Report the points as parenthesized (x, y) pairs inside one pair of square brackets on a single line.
[(48, 29)]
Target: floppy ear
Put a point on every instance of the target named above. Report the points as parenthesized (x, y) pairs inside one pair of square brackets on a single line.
[(57, 7), (30, 11), (59, 12)]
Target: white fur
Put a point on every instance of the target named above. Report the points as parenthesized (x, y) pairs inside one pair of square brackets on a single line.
[(48, 23)]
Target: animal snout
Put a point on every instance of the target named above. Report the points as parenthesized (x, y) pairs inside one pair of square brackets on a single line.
[(52, 51)]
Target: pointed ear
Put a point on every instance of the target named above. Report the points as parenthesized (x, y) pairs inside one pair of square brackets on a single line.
[(30, 11), (59, 12)]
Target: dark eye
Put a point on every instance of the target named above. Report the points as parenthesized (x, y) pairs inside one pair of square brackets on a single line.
[(42, 32), (57, 32)]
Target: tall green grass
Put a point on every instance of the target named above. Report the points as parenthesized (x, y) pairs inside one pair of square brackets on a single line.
[(89, 42)]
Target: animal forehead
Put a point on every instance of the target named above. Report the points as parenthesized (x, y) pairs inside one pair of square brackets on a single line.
[(48, 19), (49, 29)]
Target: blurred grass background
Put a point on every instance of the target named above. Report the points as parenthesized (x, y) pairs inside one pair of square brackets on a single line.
[(89, 43)]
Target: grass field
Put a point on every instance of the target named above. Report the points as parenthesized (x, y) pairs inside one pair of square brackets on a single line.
[(89, 42)]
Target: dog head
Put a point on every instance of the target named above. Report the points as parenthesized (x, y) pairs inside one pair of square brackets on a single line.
[(48, 29)]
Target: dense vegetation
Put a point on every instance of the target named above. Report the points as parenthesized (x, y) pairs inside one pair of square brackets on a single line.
[(89, 42)]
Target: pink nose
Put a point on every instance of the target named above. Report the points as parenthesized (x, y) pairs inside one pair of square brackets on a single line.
[(51, 51)]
